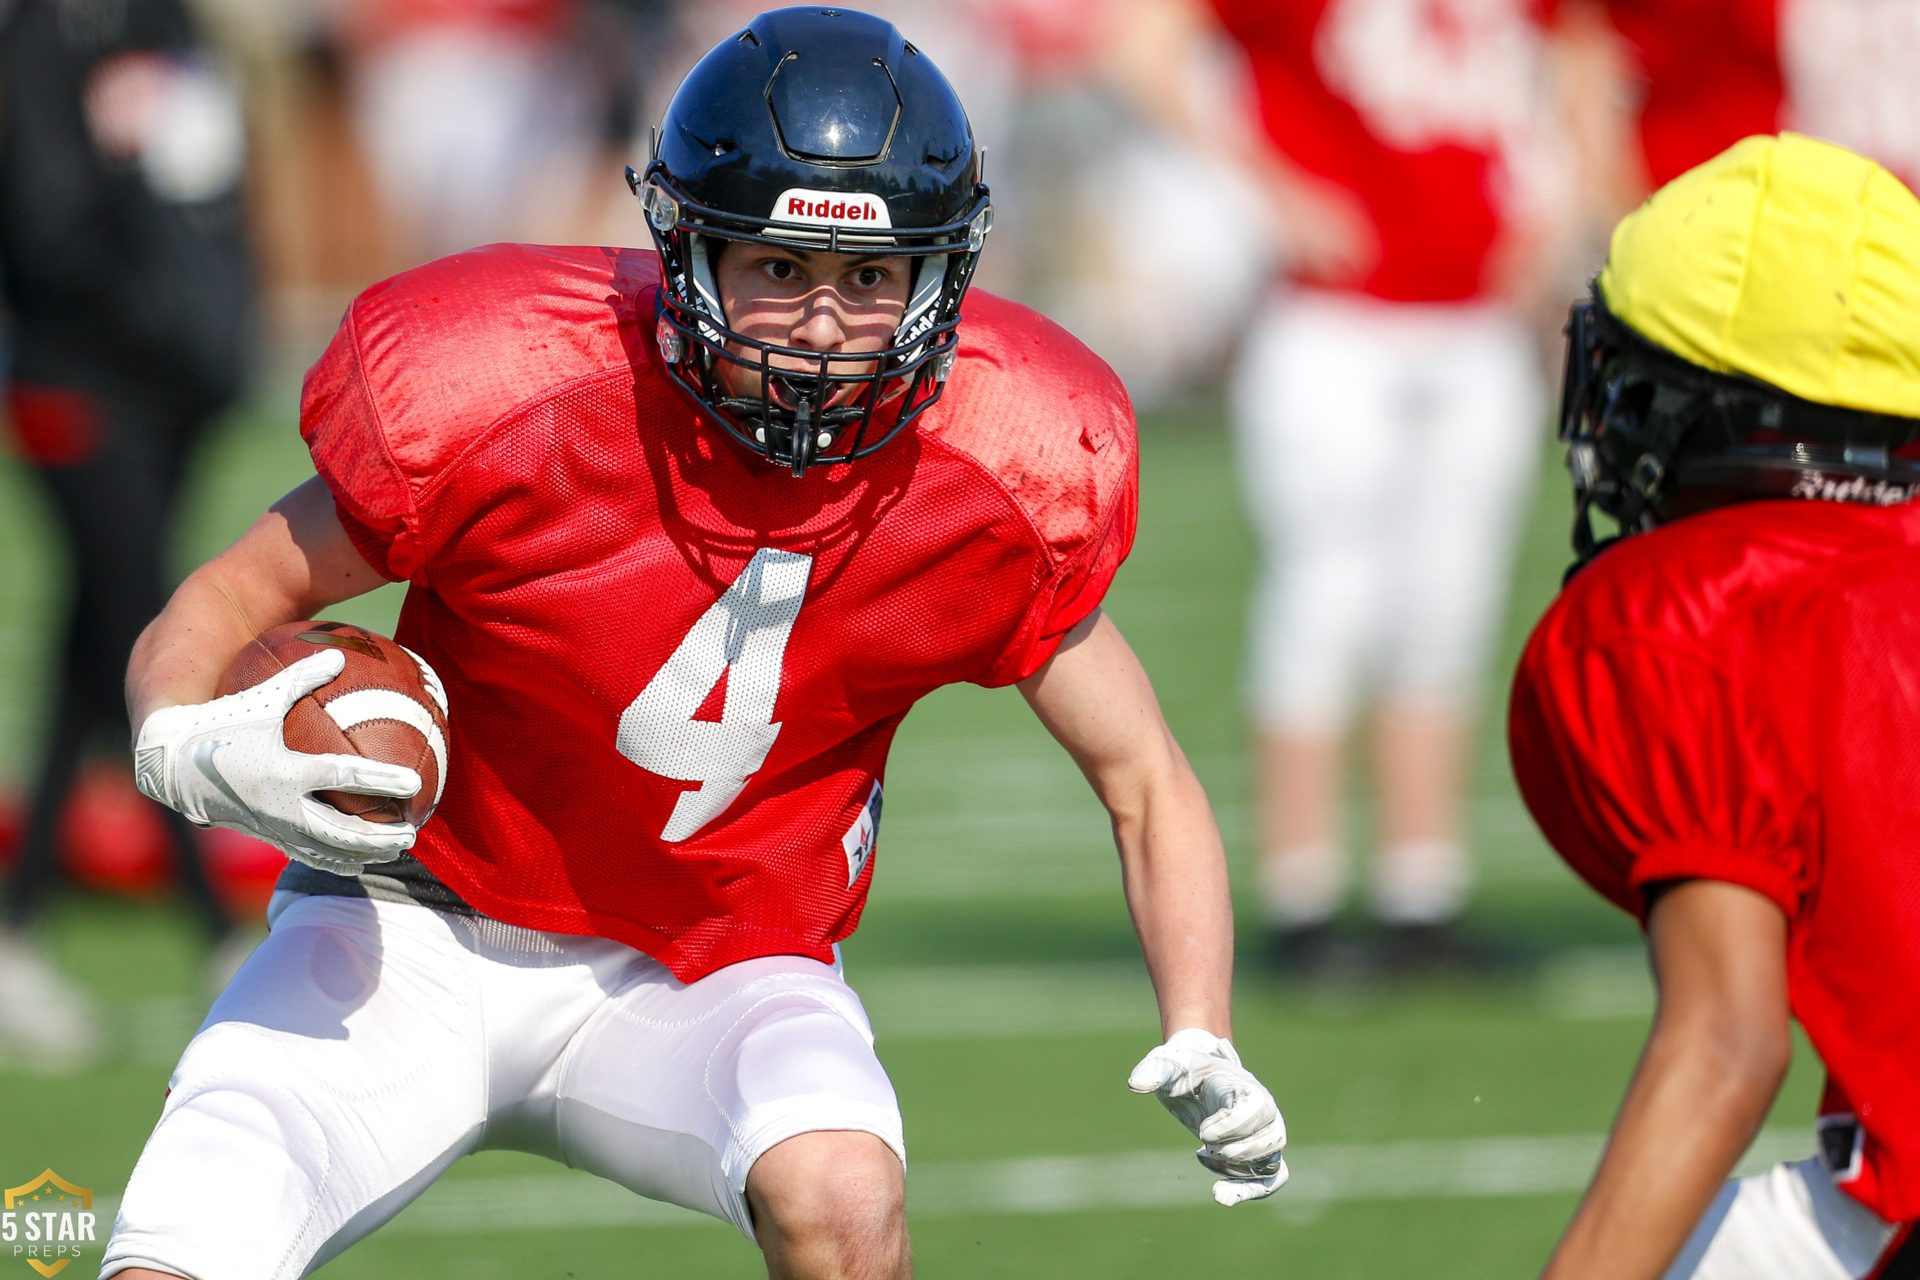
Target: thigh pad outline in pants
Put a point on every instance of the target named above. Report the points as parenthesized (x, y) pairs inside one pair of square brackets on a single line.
[(337, 1076), (674, 1091)]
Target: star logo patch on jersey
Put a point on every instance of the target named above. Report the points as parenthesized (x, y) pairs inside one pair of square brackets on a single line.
[(860, 837)]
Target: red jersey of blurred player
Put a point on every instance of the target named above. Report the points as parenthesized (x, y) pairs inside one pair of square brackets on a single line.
[(674, 669), (1420, 108), (374, 21), (1708, 72), (1711, 72), (1730, 697)]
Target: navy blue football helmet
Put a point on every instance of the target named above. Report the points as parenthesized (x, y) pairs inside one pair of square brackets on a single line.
[(823, 130)]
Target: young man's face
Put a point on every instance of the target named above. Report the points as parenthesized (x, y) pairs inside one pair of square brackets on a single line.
[(825, 302)]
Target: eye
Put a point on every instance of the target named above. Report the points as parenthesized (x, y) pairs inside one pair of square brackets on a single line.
[(779, 269), (870, 277)]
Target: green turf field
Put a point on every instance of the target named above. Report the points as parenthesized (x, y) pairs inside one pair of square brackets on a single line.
[(1438, 1130)]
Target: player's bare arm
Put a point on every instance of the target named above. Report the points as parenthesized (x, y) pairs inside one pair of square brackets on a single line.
[(1096, 700), (294, 562), (1713, 1063), (224, 761)]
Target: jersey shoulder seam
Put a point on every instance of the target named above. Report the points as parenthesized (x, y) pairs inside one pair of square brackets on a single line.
[(1752, 597), (373, 411), (1622, 636), (1026, 517)]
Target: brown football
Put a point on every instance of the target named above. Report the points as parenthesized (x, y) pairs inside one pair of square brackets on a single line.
[(386, 704)]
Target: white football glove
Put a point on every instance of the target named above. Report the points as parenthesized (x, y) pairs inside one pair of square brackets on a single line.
[(226, 763), (1197, 1076)]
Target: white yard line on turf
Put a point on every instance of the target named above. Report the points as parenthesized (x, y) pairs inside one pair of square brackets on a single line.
[(1464, 1169), (940, 1002), (1037, 848)]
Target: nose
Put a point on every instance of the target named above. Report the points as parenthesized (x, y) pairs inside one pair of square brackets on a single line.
[(822, 325)]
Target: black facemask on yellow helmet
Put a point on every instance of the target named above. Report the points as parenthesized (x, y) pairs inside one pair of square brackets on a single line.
[(1755, 333), (1641, 425)]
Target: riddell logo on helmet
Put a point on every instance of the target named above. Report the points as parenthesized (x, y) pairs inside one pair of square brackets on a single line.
[(1880, 493), (831, 208)]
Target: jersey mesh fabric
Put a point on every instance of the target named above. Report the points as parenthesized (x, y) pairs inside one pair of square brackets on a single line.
[(1732, 697), (496, 432), (1437, 195)]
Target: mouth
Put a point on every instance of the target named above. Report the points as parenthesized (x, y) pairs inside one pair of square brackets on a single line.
[(789, 393), (795, 389), (800, 418), (828, 419), (791, 388), (799, 408)]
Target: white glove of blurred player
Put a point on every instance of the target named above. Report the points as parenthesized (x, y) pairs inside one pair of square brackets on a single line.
[(1198, 1077), (226, 763)]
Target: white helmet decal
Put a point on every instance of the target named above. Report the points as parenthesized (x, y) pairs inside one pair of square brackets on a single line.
[(830, 208)]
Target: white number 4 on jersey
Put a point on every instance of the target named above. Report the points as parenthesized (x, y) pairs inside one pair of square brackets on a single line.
[(744, 638)]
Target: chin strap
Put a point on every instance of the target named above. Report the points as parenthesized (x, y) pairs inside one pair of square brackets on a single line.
[(800, 438), (799, 428)]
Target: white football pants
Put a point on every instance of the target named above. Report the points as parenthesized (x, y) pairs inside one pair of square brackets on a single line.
[(1387, 450), (1787, 1223), (366, 1046)]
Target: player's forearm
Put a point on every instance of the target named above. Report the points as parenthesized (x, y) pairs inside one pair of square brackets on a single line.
[(295, 561), (1719, 1049), (1159, 58), (1176, 882), (1697, 1098), (182, 654), (1096, 700)]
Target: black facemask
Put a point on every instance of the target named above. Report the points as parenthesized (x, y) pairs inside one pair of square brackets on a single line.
[(1643, 426)]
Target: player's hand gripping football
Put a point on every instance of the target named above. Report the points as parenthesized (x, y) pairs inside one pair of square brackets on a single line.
[(1198, 1077), (225, 763)]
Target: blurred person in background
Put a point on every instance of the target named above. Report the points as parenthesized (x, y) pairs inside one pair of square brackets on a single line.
[(475, 120), (1385, 405), (628, 56), (1692, 77), (1082, 151), (127, 285), (1714, 723)]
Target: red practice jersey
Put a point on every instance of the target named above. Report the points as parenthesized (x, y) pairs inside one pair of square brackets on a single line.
[(674, 669), (1424, 109), (1736, 697)]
